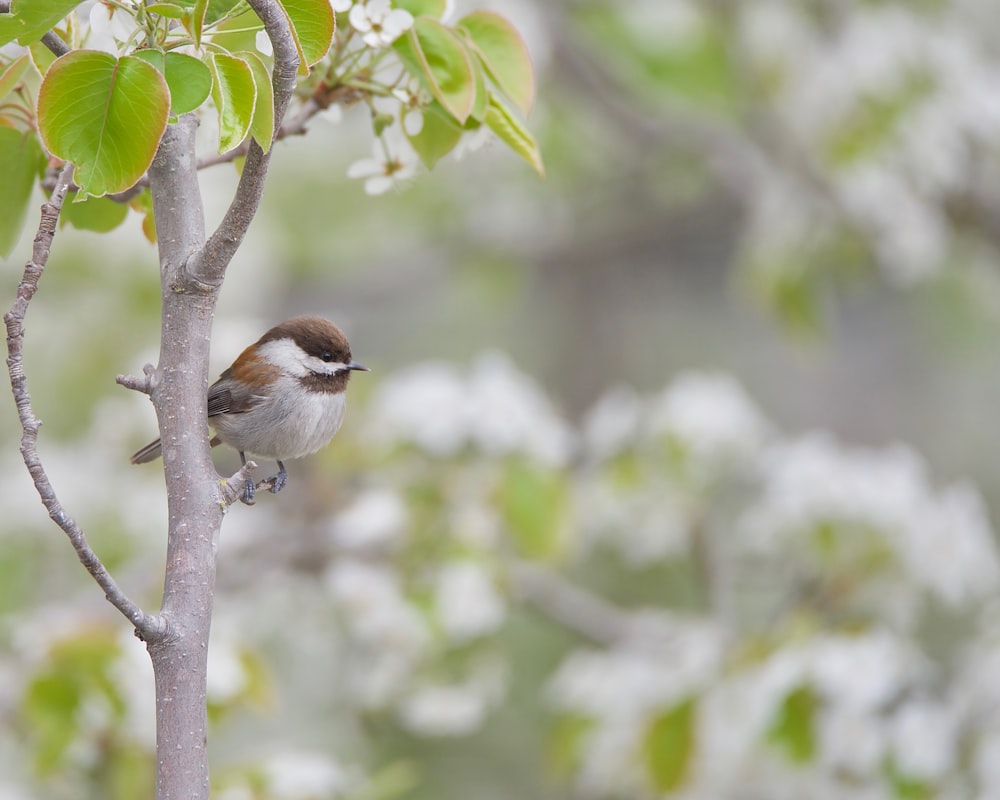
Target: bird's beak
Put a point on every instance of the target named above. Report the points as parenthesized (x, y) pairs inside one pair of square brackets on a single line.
[(358, 366)]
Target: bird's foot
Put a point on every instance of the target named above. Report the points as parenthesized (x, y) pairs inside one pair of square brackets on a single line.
[(249, 489), (277, 482)]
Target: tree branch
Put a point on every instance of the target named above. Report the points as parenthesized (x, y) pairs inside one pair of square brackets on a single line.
[(294, 127), (570, 606), (210, 265), (148, 627)]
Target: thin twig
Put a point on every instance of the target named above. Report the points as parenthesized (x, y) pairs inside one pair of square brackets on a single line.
[(294, 127), (147, 626), (143, 385)]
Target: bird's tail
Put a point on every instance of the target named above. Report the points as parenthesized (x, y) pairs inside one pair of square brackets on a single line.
[(150, 452), (153, 450)]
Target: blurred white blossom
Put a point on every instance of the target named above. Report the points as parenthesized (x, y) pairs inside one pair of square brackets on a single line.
[(613, 423), (452, 710), (712, 418), (466, 601), (227, 674), (375, 519), (390, 635), (510, 413), (496, 408), (645, 521), (872, 499), (308, 776), (924, 740), (425, 405), (635, 680), (374, 607), (471, 141)]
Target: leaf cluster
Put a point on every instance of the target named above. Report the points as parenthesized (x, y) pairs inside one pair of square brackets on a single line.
[(106, 111)]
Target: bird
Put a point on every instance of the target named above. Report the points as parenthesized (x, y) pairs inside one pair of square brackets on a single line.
[(282, 398)]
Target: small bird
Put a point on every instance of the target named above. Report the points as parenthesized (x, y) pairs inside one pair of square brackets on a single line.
[(282, 398)]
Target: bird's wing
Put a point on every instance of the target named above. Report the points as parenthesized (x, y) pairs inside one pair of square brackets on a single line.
[(228, 397)]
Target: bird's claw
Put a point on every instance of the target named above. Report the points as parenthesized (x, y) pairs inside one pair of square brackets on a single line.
[(249, 489), (277, 482)]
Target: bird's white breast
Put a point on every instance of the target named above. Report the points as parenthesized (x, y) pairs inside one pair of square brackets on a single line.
[(289, 423)]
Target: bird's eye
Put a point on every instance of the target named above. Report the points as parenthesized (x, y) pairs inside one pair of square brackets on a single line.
[(327, 356)]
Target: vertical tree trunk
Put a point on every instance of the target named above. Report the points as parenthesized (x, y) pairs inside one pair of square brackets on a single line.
[(194, 504)]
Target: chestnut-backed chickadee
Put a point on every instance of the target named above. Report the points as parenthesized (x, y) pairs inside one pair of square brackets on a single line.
[(282, 398)]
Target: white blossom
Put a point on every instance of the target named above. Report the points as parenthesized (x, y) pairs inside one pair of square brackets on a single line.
[(376, 518), (427, 405), (393, 162), (227, 674), (712, 418), (263, 43), (924, 740), (664, 663), (646, 522), (110, 27), (471, 141), (496, 409), (466, 602), (411, 100), (872, 499), (510, 413), (378, 23), (340, 6), (443, 710), (613, 423), (307, 776)]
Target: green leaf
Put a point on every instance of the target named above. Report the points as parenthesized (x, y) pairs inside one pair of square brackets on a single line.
[(423, 8), (29, 20), (534, 504), (198, 21), (567, 742), (20, 158), (313, 24), (504, 54), (262, 124), (104, 114), (437, 57), (793, 728), (235, 96), (437, 137), (11, 76), (668, 746), (41, 56), (517, 137), (75, 670), (207, 12), (99, 214), (189, 80), (482, 102), (169, 10)]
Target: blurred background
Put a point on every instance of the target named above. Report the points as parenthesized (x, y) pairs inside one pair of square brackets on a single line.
[(673, 475)]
